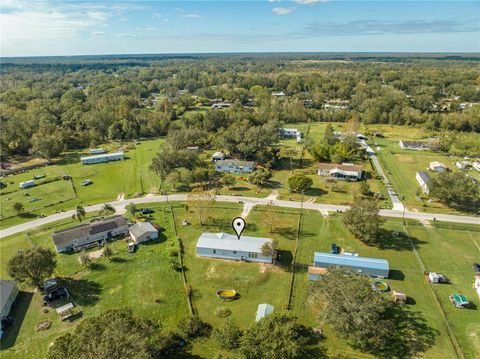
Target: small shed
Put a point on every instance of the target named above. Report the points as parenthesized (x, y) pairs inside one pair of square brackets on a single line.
[(143, 232), (27, 184), (314, 273), (263, 310), (434, 277), (400, 298), (436, 166)]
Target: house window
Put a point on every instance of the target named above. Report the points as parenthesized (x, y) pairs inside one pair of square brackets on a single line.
[(234, 252), (214, 251)]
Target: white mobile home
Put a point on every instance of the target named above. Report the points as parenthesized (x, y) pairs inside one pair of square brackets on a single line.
[(423, 179), (8, 294), (27, 184), (97, 151), (234, 166), (228, 246), (107, 157), (436, 166), (344, 171), (142, 232)]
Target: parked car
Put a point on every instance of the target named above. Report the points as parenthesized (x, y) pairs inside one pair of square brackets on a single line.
[(58, 293), (87, 182), (147, 211), (66, 177), (476, 267), (334, 248), (38, 176)]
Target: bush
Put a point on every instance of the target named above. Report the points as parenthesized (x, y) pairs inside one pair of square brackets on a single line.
[(164, 343), (227, 336), (222, 312), (193, 327)]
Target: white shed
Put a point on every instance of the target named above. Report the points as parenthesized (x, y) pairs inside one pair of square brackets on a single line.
[(263, 310), (143, 232), (27, 184), (434, 277), (228, 246)]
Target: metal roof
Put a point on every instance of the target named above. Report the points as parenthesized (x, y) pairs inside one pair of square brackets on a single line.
[(230, 242), (6, 289), (141, 228), (263, 310), (105, 155), (234, 163), (424, 176), (341, 260)]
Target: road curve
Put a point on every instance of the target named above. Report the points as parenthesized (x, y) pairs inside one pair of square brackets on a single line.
[(120, 208)]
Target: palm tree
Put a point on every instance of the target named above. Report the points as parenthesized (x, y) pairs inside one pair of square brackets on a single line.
[(79, 213)]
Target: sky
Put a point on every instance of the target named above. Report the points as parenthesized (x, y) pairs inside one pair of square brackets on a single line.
[(48, 28)]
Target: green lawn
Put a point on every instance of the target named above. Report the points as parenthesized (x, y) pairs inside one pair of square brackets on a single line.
[(143, 281)]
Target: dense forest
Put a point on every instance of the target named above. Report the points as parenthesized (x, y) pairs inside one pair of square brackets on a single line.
[(53, 105)]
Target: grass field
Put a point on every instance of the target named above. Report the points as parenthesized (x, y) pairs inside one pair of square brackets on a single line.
[(137, 280)]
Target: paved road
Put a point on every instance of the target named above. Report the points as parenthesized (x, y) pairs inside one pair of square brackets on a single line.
[(120, 208), (397, 204)]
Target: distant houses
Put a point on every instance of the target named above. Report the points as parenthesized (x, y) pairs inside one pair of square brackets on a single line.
[(462, 165), (419, 145), (373, 267), (290, 133), (97, 151), (234, 166), (8, 294), (88, 234), (336, 105), (436, 166), (278, 94), (143, 232), (27, 184), (221, 105), (344, 171), (218, 156), (228, 246), (423, 179), (107, 157)]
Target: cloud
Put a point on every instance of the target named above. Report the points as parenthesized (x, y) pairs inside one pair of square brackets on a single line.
[(283, 10), (274, 0), (125, 35), (308, 2), (191, 16), (97, 33), (380, 27)]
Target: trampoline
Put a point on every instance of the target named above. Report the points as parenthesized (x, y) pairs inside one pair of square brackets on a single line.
[(380, 286), (227, 294)]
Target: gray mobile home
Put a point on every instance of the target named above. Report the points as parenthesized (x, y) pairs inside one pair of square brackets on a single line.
[(107, 157), (374, 267), (234, 166)]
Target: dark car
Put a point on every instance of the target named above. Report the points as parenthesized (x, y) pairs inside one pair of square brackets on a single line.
[(334, 248), (147, 211), (7, 321), (58, 293), (476, 267)]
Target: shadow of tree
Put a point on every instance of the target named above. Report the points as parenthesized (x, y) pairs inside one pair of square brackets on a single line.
[(84, 292), (398, 241)]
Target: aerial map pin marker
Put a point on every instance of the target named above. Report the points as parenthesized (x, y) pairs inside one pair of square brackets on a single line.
[(238, 225)]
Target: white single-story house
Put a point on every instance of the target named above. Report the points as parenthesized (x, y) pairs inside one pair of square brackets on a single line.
[(228, 246), (436, 166), (85, 234), (419, 145), (423, 178), (346, 171), (142, 232), (218, 156), (234, 166), (221, 105), (8, 294), (278, 94), (27, 184), (97, 151), (107, 157), (263, 310), (463, 164), (288, 132)]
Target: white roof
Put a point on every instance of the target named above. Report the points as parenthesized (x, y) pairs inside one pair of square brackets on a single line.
[(64, 308), (102, 156), (218, 154), (437, 164), (263, 310), (141, 228), (230, 242)]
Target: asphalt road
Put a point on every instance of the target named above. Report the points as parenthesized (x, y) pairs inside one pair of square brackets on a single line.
[(120, 208)]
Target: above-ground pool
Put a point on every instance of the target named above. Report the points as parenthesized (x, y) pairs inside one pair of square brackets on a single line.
[(380, 286), (227, 294)]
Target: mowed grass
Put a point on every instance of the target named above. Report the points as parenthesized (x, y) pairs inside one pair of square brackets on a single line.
[(143, 281), (129, 178)]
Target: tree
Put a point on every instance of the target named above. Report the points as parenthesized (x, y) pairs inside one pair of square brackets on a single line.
[(229, 180), (372, 323), (79, 213), (268, 249), (364, 188), (18, 207), (289, 152), (85, 260), (277, 336), (269, 216), (32, 266), (299, 183), (363, 220), (131, 208), (227, 336), (193, 327), (329, 135), (199, 203), (108, 209), (321, 151), (260, 177), (174, 178), (456, 190), (116, 333)]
